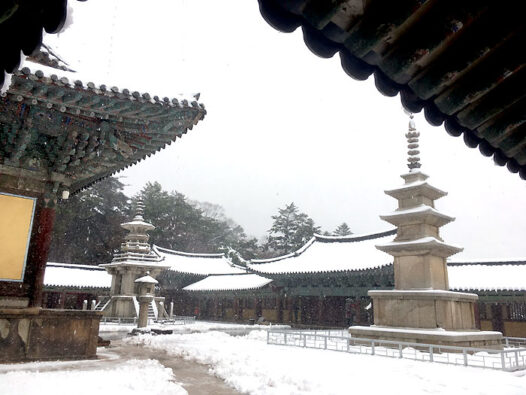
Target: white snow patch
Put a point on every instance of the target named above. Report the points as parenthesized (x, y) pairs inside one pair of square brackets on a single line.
[(130, 377), (251, 366)]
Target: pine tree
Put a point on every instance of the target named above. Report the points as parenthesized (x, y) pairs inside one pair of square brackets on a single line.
[(87, 226), (182, 225), (343, 230), (291, 230)]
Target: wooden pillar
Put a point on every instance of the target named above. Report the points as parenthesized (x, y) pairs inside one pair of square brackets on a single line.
[(476, 307), (279, 302), (320, 310), (41, 240), (62, 300)]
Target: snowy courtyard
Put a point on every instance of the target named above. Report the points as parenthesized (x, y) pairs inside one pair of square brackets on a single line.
[(222, 358)]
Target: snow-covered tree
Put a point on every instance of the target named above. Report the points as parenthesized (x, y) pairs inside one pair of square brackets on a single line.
[(291, 229), (343, 230)]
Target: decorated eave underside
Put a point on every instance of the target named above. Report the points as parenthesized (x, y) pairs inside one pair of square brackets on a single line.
[(71, 134), (463, 62)]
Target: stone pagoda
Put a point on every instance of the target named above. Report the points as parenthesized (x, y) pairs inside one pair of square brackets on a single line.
[(135, 260), (421, 308)]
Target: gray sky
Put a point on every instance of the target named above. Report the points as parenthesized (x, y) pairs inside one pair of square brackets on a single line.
[(283, 125)]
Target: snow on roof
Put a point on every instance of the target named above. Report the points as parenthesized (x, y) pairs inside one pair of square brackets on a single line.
[(329, 253), (491, 276), (147, 280), (229, 282), (199, 264), (96, 78), (78, 276)]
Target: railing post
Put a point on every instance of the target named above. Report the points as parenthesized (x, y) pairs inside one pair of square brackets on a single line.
[(507, 340), (268, 337), (516, 359), (325, 342), (285, 338), (465, 357), (372, 348), (305, 340), (430, 353), (400, 354), (502, 360)]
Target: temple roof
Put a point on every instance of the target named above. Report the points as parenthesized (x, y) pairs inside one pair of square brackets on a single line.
[(59, 129), (473, 275), (21, 28), (329, 254), (462, 63), (198, 264), (489, 276), (229, 282), (75, 276)]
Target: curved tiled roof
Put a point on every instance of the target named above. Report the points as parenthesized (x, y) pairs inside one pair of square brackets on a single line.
[(490, 276), (76, 276), (329, 254), (229, 282), (21, 28), (464, 63), (197, 264), (87, 131)]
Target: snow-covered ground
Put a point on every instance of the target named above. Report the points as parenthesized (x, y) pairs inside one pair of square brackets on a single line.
[(131, 377), (195, 327), (248, 364)]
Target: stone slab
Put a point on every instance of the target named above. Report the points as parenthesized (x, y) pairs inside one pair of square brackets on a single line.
[(45, 334), (478, 339), (423, 294)]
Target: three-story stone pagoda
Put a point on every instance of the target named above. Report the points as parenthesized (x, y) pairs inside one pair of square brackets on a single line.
[(421, 308)]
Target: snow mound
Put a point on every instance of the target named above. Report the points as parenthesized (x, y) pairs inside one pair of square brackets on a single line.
[(130, 377)]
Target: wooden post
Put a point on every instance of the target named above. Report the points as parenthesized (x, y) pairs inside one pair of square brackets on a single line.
[(41, 240), (320, 310)]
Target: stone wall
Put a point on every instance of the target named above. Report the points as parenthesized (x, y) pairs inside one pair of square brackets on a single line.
[(44, 334)]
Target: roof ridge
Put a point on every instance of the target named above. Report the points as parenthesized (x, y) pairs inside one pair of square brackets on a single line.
[(354, 238), (325, 239), (511, 262), (156, 248), (74, 266)]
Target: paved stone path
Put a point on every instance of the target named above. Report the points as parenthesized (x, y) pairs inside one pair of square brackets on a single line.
[(194, 377)]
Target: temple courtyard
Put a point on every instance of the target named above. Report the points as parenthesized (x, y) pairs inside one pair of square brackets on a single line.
[(212, 358)]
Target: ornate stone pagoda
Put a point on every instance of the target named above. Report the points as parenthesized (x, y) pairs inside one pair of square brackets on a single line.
[(135, 260), (421, 308)]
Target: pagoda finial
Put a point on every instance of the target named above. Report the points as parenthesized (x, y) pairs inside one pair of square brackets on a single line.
[(413, 160), (139, 210)]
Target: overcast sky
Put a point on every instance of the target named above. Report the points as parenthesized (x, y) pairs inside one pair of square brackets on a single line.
[(283, 125)]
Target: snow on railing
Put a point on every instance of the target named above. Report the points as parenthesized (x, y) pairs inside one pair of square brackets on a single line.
[(510, 358)]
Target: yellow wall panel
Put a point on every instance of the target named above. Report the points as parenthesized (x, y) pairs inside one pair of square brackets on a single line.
[(16, 219)]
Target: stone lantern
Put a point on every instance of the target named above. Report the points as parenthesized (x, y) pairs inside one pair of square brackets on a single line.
[(146, 285)]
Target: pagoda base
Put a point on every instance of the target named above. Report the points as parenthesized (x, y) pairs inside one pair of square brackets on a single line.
[(127, 306), (437, 336), (426, 309)]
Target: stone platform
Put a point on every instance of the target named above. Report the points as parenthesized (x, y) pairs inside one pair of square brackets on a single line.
[(425, 309), (44, 334), (438, 336)]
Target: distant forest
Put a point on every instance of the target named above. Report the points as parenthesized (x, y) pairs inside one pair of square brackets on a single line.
[(87, 226)]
